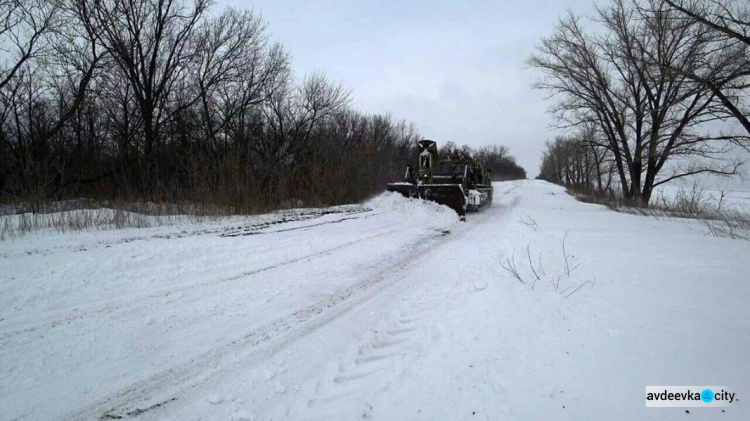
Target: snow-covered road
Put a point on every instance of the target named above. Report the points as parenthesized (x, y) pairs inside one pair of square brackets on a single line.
[(390, 310)]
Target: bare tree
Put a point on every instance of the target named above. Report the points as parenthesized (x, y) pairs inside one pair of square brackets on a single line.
[(292, 116), (617, 80), (43, 87), (25, 26), (151, 43), (234, 67), (578, 161), (727, 69)]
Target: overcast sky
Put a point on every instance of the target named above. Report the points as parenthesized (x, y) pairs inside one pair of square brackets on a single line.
[(454, 68)]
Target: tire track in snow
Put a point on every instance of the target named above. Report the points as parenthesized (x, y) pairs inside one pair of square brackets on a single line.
[(402, 338), (260, 231), (382, 355), (143, 297), (286, 218), (259, 344), (256, 344), (369, 369)]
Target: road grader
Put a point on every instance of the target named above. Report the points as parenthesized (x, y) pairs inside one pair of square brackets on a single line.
[(461, 183)]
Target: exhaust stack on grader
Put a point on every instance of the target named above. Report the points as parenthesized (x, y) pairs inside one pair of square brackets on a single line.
[(461, 183)]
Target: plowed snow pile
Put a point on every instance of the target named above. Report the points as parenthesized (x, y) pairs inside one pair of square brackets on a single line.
[(416, 210)]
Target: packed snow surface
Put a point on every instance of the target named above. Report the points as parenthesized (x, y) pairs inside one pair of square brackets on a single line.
[(538, 307)]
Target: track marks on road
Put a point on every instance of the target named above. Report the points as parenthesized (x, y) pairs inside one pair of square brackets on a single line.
[(383, 356), (379, 358), (259, 231), (257, 344), (371, 365), (146, 297)]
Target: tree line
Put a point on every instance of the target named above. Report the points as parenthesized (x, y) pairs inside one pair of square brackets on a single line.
[(162, 101), (651, 90), (496, 158), (159, 100)]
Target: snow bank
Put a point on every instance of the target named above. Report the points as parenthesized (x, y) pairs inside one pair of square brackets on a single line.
[(117, 220), (417, 210)]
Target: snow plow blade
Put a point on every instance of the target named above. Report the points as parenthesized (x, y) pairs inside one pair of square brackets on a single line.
[(451, 195), (406, 189)]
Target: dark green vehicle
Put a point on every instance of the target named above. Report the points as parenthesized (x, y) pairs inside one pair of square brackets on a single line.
[(460, 184)]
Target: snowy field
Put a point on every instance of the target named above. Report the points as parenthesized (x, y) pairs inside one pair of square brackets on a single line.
[(390, 310), (735, 197)]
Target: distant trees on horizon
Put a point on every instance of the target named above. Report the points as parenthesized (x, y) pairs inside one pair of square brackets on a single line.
[(496, 158)]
